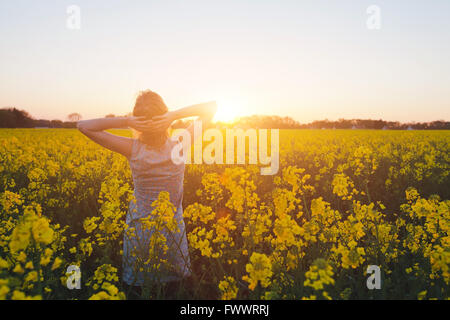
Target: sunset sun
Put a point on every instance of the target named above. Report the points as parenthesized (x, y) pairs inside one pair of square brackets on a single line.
[(228, 110)]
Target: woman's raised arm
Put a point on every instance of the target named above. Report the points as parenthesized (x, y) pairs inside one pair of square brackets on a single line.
[(94, 130), (203, 111)]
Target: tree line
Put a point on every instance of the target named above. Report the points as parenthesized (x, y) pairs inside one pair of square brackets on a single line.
[(15, 118)]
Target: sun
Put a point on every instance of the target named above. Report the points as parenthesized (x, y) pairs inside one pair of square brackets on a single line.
[(228, 111)]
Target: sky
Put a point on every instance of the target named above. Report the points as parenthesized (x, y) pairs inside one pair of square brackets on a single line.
[(309, 60)]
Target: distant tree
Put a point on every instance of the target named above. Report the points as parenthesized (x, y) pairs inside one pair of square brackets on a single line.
[(15, 118), (7, 119), (56, 124), (74, 117), (42, 123), (110, 116)]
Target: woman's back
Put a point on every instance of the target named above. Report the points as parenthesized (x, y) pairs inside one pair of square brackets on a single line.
[(154, 171)]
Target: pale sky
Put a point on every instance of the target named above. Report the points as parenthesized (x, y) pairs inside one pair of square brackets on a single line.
[(309, 60)]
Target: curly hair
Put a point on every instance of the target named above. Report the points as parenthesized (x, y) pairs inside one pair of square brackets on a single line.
[(149, 104)]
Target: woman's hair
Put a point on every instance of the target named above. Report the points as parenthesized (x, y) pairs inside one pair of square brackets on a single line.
[(149, 104)]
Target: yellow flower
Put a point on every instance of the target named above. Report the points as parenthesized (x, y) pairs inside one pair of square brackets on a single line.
[(22, 257), (89, 224), (19, 295), (228, 288), (46, 257), (4, 264), (3, 292), (20, 238), (259, 270), (31, 277), (42, 233), (56, 263), (422, 295), (18, 269), (319, 275)]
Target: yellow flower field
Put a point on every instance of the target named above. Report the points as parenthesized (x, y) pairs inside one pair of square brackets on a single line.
[(341, 201)]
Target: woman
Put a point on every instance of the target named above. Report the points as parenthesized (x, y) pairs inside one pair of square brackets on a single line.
[(153, 171)]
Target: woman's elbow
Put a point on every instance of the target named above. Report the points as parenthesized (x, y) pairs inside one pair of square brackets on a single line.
[(81, 126), (211, 110)]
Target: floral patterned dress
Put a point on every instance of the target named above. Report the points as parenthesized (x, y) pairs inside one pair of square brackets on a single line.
[(154, 171)]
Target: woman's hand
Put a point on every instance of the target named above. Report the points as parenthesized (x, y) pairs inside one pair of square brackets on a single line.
[(156, 124), (140, 124), (162, 123)]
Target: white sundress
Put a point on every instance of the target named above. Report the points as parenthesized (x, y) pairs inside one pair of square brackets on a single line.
[(154, 171)]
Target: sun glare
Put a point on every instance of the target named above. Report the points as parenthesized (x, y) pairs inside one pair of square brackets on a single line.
[(227, 111)]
